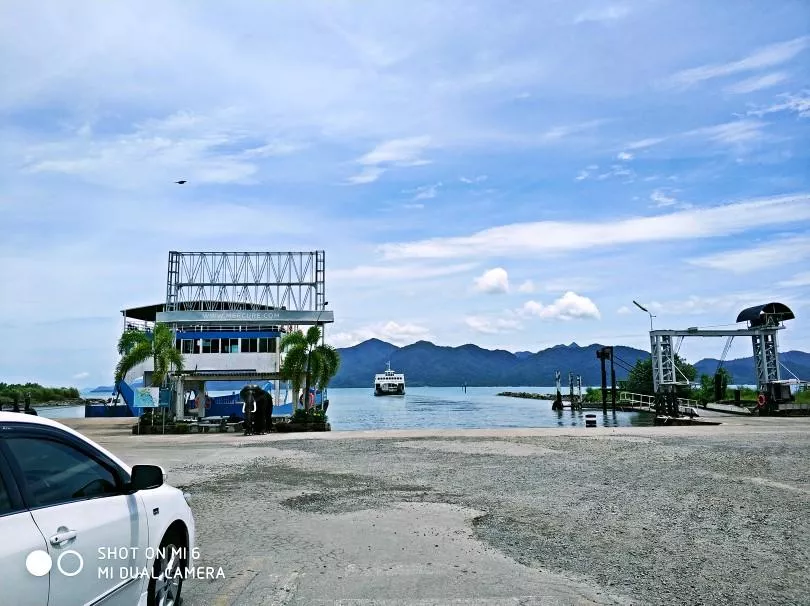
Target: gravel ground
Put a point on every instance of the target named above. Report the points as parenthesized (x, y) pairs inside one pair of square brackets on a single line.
[(626, 516)]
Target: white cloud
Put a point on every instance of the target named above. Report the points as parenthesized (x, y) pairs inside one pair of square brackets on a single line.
[(398, 152), (663, 198), (699, 305), (493, 281), (368, 175), (756, 83), (491, 325), (756, 258), (625, 156), (613, 12), (644, 143), (797, 281), (372, 273), (391, 332), (426, 192), (527, 287), (81, 375), (768, 56), (799, 103), (471, 180), (730, 133), (623, 310), (393, 153), (552, 237), (570, 306)]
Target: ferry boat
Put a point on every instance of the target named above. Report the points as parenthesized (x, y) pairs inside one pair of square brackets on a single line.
[(389, 383)]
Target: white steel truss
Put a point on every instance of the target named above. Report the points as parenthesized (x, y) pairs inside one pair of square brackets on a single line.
[(209, 281)]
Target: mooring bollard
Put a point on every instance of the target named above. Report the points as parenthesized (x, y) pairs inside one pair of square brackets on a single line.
[(590, 420)]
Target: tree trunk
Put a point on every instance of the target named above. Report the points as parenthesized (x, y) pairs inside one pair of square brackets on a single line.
[(306, 382)]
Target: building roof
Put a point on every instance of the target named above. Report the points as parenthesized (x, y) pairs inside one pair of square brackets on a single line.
[(759, 314), (148, 313)]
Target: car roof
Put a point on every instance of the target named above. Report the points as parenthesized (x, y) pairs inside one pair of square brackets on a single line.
[(23, 418)]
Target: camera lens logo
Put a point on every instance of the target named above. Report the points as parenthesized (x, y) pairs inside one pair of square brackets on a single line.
[(69, 563)]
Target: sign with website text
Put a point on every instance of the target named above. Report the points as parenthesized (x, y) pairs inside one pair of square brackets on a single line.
[(279, 316)]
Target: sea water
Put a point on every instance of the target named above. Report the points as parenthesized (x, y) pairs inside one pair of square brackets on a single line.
[(439, 408)]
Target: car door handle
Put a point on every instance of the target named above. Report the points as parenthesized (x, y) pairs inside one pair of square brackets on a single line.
[(62, 537)]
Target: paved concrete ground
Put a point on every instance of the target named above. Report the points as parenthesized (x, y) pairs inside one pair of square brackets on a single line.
[(679, 515)]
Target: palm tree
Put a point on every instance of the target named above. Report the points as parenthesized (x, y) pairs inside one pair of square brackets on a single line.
[(308, 362), (136, 346)]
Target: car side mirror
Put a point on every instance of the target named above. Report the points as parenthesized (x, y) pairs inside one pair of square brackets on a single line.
[(145, 477)]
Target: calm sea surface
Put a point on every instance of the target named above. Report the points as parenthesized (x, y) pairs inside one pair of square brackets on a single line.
[(439, 408)]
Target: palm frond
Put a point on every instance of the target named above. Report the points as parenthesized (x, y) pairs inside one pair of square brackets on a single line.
[(129, 339), (138, 354), (313, 335), (292, 339), (328, 364)]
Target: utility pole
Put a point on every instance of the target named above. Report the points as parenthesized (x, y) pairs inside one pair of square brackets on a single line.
[(600, 353)]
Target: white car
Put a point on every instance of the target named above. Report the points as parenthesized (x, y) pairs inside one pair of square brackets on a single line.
[(78, 526)]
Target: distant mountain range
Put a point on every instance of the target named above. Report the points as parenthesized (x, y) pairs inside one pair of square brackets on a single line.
[(427, 364)]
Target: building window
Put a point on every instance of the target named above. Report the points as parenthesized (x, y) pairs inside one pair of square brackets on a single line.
[(228, 346), (188, 346), (210, 346), (267, 345), (250, 345)]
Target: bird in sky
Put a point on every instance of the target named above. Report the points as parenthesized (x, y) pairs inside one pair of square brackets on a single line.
[(180, 182)]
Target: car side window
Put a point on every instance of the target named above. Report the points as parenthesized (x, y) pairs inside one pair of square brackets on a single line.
[(5, 498), (56, 472)]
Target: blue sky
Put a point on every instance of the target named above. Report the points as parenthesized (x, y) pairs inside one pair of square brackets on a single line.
[(512, 174)]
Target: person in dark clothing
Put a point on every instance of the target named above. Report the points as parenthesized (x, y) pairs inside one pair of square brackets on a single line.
[(258, 417), (15, 407)]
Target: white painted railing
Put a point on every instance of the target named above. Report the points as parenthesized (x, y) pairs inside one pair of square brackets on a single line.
[(644, 400)]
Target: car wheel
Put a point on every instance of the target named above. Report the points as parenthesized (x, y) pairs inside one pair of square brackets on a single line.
[(167, 580)]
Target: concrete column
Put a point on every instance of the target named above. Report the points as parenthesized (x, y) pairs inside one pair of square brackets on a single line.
[(179, 398), (201, 405)]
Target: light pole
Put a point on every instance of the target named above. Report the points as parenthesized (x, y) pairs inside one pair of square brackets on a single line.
[(647, 311)]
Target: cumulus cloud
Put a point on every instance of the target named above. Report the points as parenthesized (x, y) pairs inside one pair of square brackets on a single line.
[(391, 332), (493, 281), (527, 287), (623, 310), (625, 156), (570, 306), (81, 375)]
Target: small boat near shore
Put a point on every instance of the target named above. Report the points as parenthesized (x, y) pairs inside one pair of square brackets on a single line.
[(389, 383)]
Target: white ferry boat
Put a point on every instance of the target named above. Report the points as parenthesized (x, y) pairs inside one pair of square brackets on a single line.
[(389, 383)]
